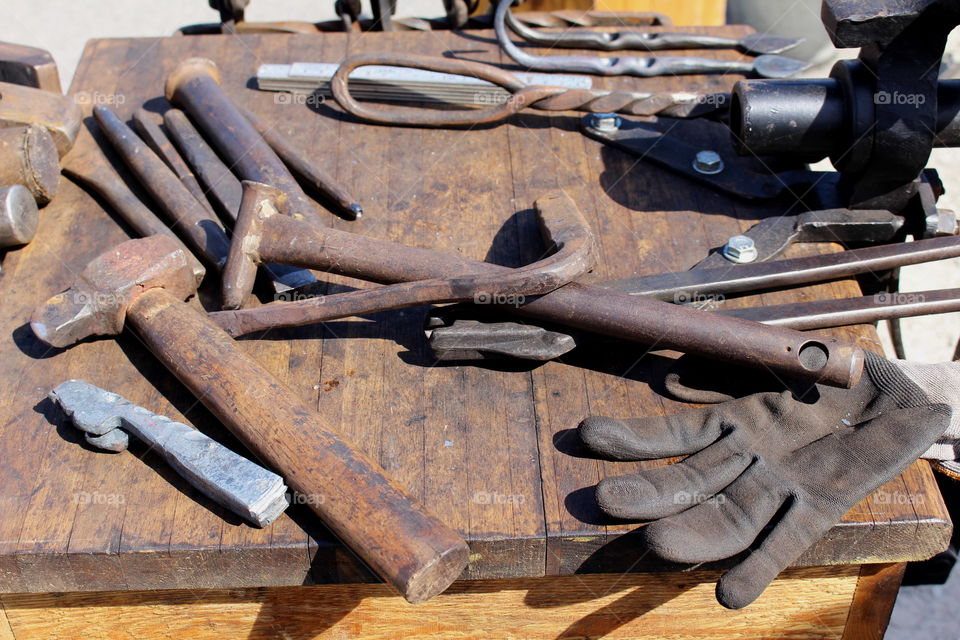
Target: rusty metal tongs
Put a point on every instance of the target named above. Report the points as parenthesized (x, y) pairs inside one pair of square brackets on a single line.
[(674, 104), (754, 43), (561, 224), (765, 66)]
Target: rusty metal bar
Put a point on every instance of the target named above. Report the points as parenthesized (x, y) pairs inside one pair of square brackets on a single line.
[(195, 87), (197, 224), (563, 227), (822, 314), (701, 283), (221, 184), (809, 357), (345, 204)]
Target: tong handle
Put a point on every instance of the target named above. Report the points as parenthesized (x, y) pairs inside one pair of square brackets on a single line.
[(615, 41)]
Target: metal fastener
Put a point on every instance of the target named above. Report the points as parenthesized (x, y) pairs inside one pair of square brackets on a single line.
[(605, 121), (708, 163), (740, 249)]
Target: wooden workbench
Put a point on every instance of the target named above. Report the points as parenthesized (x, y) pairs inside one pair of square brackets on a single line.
[(486, 448)]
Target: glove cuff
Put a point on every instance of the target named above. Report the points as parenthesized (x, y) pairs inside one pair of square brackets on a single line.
[(893, 382), (915, 384)]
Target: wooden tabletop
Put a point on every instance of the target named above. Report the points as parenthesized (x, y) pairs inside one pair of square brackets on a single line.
[(486, 448)]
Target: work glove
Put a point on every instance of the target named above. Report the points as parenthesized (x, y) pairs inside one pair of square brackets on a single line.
[(795, 461)]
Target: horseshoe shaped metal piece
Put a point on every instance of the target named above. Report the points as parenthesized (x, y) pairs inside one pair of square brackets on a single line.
[(562, 227)]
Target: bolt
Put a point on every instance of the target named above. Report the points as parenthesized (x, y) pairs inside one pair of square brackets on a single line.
[(708, 163), (605, 122), (942, 223), (740, 249)]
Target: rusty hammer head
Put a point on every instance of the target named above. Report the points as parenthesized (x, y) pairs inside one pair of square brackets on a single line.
[(18, 216), (28, 156), (97, 303), (259, 202)]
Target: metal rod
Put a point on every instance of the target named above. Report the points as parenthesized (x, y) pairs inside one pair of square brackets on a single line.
[(344, 203), (157, 140), (823, 314), (87, 165), (199, 227), (819, 358), (221, 184), (701, 283), (195, 87)]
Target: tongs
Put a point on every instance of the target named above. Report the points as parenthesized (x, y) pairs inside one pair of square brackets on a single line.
[(674, 104), (764, 66), (754, 43)]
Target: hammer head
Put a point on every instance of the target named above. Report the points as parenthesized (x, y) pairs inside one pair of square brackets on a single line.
[(260, 201), (18, 216), (97, 303)]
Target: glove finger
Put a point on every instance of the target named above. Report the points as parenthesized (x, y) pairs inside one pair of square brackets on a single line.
[(652, 438), (662, 492), (720, 525), (799, 528), (844, 468)]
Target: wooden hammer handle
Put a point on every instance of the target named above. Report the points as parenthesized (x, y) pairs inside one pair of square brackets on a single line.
[(406, 546)]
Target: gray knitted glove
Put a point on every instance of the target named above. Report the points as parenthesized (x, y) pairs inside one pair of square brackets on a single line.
[(795, 463)]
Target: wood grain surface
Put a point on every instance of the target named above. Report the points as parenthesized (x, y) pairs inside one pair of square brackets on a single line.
[(811, 604), (486, 448)]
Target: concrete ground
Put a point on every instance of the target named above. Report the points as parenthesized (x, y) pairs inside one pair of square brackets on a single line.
[(63, 26)]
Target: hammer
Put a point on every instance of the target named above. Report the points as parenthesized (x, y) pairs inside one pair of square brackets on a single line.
[(28, 156), (144, 283), (18, 216), (60, 115), (28, 66)]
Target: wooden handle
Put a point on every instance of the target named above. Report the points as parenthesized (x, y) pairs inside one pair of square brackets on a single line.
[(406, 546)]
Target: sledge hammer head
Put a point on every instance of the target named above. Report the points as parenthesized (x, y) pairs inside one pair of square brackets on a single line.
[(97, 303)]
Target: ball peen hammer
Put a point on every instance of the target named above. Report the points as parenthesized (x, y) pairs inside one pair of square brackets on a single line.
[(143, 283)]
